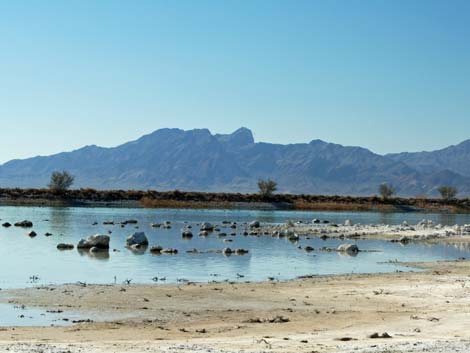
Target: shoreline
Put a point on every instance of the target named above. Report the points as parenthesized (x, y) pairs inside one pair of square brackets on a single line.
[(423, 310), (212, 200), (322, 313)]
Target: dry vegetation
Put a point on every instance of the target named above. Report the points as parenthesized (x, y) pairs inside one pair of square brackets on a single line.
[(183, 199)]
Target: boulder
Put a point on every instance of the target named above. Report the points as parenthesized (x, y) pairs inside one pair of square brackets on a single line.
[(138, 238), (349, 248), (255, 224), (32, 234), (348, 223), (6, 225), (99, 241)]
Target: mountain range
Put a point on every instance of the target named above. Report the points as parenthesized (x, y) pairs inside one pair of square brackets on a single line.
[(197, 160)]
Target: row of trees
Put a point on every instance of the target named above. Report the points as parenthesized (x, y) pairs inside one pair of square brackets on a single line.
[(268, 187), (62, 181), (447, 192)]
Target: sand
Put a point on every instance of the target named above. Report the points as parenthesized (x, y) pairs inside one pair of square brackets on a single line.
[(423, 310)]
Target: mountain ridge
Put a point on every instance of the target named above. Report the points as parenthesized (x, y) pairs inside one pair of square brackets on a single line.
[(198, 160)]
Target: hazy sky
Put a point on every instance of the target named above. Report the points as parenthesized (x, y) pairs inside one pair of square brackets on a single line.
[(388, 75)]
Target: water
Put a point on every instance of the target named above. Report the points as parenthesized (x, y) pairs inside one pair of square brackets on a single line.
[(29, 261), (12, 315), (20, 315)]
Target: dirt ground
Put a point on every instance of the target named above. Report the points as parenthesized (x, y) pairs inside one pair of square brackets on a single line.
[(319, 314)]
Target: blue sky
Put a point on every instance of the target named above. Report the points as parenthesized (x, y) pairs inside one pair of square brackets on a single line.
[(387, 75)]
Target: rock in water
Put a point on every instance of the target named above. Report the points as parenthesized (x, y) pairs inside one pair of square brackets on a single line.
[(99, 241), (349, 248), (404, 240), (138, 238), (206, 226), (24, 224), (156, 249), (187, 234), (255, 224), (227, 251), (130, 221), (63, 246)]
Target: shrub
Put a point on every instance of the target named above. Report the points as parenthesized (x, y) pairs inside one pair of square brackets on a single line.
[(267, 187), (447, 192), (61, 181), (386, 190)]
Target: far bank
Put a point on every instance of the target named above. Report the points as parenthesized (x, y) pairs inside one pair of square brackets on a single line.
[(192, 199)]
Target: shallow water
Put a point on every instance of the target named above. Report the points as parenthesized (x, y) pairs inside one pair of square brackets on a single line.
[(29, 261), (12, 315)]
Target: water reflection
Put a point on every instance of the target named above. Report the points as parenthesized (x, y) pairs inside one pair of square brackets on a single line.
[(138, 250), (59, 218), (96, 255), (464, 246), (447, 218), (385, 218)]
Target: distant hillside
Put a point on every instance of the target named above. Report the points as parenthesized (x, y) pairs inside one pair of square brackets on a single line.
[(196, 160), (453, 158)]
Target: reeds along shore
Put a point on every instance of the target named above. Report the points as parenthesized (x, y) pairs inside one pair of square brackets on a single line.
[(191, 199)]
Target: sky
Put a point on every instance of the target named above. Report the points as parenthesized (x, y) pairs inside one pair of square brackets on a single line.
[(389, 75)]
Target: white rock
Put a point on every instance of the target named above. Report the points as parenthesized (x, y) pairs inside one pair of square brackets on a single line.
[(99, 241)]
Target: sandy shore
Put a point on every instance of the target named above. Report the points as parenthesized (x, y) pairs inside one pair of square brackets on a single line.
[(426, 310)]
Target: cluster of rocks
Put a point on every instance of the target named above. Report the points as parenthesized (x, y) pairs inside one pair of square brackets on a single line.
[(324, 229), (22, 224), (404, 232)]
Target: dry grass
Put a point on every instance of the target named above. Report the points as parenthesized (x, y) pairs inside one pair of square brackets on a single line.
[(190, 199)]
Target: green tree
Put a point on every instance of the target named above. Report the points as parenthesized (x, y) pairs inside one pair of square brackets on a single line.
[(61, 181), (267, 187), (447, 192), (386, 191)]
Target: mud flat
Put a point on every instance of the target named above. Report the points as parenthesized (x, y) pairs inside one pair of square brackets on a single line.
[(418, 311)]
